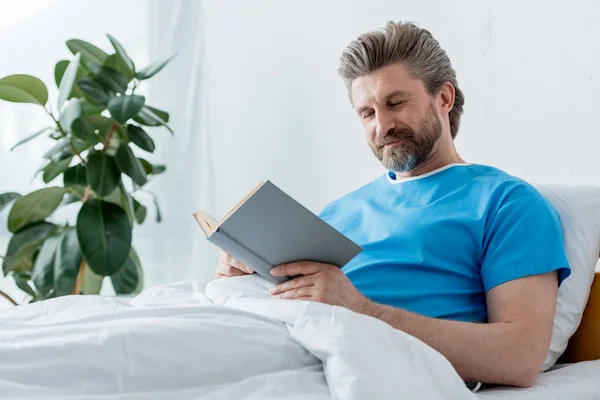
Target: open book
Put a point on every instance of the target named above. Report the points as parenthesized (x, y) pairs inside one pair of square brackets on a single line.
[(268, 228)]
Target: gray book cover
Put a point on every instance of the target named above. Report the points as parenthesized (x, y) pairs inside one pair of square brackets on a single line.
[(269, 228)]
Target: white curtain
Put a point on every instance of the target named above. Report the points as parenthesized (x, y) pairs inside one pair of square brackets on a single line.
[(177, 248)]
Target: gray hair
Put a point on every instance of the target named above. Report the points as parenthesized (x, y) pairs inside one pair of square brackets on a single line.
[(410, 45)]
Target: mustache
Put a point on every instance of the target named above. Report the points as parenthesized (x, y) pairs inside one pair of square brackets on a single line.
[(394, 135)]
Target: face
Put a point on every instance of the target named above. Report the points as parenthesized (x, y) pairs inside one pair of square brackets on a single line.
[(400, 117)]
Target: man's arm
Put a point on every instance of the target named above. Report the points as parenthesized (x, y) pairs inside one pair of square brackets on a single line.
[(509, 350)]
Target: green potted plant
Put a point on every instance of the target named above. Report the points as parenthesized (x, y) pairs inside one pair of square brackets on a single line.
[(99, 119)]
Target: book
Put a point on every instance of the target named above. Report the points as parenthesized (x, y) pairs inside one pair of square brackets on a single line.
[(269, 228)]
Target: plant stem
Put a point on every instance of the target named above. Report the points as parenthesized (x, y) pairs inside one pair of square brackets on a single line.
[(78, 154), (77, 288), (86, 195), (111, 132), (56, 122), (7, 297), (135, 83)]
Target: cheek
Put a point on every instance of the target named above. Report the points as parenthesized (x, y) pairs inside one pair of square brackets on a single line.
[(370, 131)]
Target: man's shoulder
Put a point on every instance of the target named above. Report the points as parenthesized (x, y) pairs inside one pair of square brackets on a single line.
[(357, 196), (503, 186)]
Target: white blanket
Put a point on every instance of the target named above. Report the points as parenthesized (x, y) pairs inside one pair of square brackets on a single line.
[(224, 340)]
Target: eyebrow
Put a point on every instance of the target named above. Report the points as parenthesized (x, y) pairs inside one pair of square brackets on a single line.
[(387, 98)]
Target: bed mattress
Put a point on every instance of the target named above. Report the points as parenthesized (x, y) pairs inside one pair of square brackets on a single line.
[(573, 382)]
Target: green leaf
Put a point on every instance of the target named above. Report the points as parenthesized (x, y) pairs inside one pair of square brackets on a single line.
[(151, 169), (129, 280), (75, 193), (42, 272), (101, 124), (57, 264), (88, 108), (58, 150), (104, 236), (70, 113), (83, 130), (23, 284), (140, 211), (123, 56), (102, 173), (7, 198), (158, 213), (23, 89), (130, 165), (126, 203), (140, 138), (75, 175), (64, 147), (124, 107), (23, 258), (30, 137), (67, 260), (67, 81), (93, 90), (115, 62), (153, 68), (59, 72), (148, 117), (111, 80), (158, 169), (163, 115), (121, 197), (56, 168), (91, 283), (147, 166), (36, 206), (36, 232), (89, 52)]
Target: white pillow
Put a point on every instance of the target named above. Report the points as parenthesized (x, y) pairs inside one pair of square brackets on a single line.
[(579, 211)]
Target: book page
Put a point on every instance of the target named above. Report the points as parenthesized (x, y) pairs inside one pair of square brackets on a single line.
[(206, 222)]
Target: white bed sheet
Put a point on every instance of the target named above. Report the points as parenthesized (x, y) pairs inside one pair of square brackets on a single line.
[(227, 340), (579, 381)]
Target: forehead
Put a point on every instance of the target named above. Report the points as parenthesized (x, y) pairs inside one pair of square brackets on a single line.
[(375, 86)]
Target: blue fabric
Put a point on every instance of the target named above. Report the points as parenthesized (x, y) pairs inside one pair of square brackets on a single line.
[(435, 244)]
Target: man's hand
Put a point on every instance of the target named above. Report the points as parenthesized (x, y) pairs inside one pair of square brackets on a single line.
[(324, 283), (229, 266)]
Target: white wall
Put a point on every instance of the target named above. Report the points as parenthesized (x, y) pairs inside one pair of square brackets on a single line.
[(529, 69)]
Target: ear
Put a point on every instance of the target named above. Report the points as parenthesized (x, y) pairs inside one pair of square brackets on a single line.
[(446, 98)]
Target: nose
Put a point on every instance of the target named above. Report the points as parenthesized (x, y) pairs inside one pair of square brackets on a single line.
[(384, 122)]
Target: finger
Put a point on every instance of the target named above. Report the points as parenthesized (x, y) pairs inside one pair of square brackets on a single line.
[(303, 292), (227, 258), (297, 268), (230, 270), (295, 283), (242, 267)]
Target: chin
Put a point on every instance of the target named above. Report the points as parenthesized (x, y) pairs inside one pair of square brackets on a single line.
[(400, 166)]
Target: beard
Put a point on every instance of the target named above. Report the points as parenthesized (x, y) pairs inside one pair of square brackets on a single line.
[(414, 149)]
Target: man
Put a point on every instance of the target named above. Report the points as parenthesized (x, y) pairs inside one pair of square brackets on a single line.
[(464, 257)]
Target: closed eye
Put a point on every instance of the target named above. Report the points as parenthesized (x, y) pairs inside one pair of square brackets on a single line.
[(367, 114), (396, 103)]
